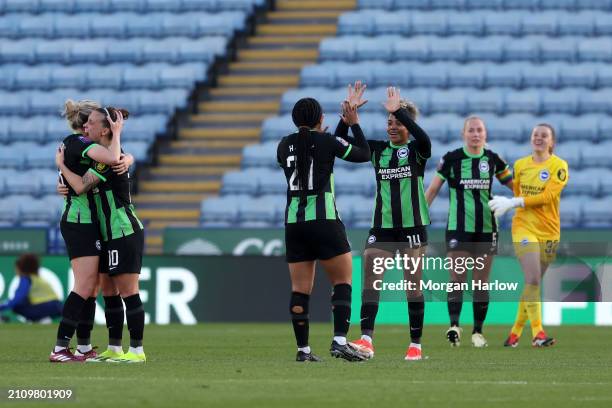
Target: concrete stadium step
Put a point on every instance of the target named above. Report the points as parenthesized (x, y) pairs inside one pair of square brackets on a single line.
[(305, 55), (274, 91), (286, 40), (248, 107), (274, 16), (225, 159), (208, 170), (164, 214), (255, 80), (210, 144), (179, 187), (220, 133), (282, 5), (153, 198), (297, 29), (227, 118), (161, 225), (169, 205), (154, 243)]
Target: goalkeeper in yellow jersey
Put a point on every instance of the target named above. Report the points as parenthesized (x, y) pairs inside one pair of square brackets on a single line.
[(536, 227)]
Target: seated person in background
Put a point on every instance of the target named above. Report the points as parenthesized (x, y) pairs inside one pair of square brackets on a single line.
[(34, 298)]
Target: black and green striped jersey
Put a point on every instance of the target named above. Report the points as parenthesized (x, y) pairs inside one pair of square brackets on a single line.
[(78, 208), (470, 179), (400, 194), (317, 201), (114, 203)]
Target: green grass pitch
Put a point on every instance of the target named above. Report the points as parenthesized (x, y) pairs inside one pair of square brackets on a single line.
[(251, 365)]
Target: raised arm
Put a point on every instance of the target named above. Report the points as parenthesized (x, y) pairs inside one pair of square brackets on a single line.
[(421, 138), (357, 150)]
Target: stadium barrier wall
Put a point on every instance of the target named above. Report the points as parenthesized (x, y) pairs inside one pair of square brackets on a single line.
[(193, 289)]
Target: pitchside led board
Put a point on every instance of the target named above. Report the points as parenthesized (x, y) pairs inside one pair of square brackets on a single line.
[(193, 289)]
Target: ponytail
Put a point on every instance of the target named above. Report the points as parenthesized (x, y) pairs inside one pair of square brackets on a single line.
[(306, 115)]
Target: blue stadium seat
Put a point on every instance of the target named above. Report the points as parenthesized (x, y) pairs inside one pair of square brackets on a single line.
[(562, 101), (544, 23), (22, 183), (521, 4), (14, 103), (36, 26), (348, 73), (56, 6), (377, 48), (164, 5), (358, 23), (341, 48), (596, 155), (129, 52), (200, 50), (113, 25), (21, 6), (506, 23), (162, 51), (597, 101), (11, 158), (344, 205), (93, 51), (585, 182), (483, 4), (432, 75), (451, 101), (42, 157), (274, 128), (558, 49), (386, 74), (4, 130), (438, 212), (504, 75), (583, 128), (471, 23), (17, 51), (362, 212), (27, 130), (429, 23), (392, 23), (138, 149), (604, 76), (180, 25), (580, 23), (595, 49), (508, 128), (261, 209), (375, 4), (37, 77), (523, 101), (91, 6), (411, 49), (557, 4), (570, 210), (522, 49), (571, 153), (126, 5), (67, 77), (9, 211), (56, 129), (605, 128), (319, 75), (55, 202), (490, 100), (468, 75), (180, 76), (260, 155), (451, 48), (53, 51), (348, 182), (48, 177), (197, 5), (541, 76), (239, 182), (485, 49), (220, 209), (271, 181), (603, 25), (105, 77), (605, 180), (140, 78), (71, 26), (584, 75)]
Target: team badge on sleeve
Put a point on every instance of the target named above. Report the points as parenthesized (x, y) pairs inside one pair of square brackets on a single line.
[(562, 174), (101, 167)]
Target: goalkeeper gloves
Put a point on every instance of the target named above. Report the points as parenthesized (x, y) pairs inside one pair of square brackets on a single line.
[(501, 205)]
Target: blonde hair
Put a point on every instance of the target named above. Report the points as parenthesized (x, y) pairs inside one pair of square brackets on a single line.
[(77, 112), (472, 117), (413, 110)]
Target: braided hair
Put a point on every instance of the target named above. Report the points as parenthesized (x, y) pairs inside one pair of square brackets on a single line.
[(306, 115)]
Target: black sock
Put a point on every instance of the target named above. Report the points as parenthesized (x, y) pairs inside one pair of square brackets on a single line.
[(341, 307), (134, 312), (480, 309), (86, 322), (368, 317), (416, 313), (114, 313), (298, 307), (70, 319), (455, 303)]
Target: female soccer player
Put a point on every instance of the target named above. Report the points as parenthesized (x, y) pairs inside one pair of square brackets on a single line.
[(400, 213), (121, 230), (536, 228), (471, 230), (34, 298), (80, 231), (313, 230)]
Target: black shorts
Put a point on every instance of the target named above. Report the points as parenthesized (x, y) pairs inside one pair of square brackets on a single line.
[(472, 242), (81, 239), (124, 255), (312, 240), (386, 238)]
